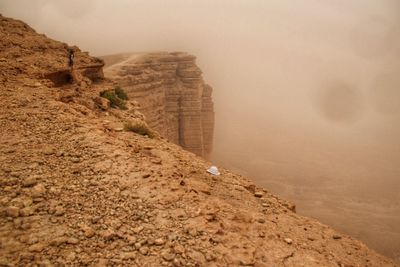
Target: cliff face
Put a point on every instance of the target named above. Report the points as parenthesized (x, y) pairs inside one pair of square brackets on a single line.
[(172, 95)]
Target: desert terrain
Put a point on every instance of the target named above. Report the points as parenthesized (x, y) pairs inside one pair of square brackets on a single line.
[(80, 189)]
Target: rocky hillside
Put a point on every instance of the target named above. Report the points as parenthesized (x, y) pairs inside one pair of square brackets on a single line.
[(171, 93), (78, 190)]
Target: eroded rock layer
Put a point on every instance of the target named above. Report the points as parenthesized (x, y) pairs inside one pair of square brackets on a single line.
[(172, 94)]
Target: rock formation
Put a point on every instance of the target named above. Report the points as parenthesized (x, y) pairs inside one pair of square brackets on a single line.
[(47, 58), (172, 94), (78, 190)]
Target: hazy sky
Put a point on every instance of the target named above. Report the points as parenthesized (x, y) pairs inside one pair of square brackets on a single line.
[(270, 39), (306, 92)]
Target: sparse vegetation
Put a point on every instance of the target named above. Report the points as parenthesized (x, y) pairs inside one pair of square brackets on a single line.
[(139, 127), (116, 96), (121, 93)]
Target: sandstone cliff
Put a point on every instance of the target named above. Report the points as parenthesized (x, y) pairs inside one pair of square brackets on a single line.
[(172, 95), (78, 190)]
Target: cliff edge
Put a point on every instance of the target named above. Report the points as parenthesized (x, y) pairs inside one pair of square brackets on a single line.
[(79, 190), (172, 95)]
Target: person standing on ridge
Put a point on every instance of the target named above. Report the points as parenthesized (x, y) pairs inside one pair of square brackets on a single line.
[(71, 57)]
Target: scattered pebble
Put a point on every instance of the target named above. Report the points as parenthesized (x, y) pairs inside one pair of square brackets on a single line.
[(288, 240), (12, 211), (146, 175), (38, 247), (167, 255), (336, 236), (144, 250), (29, 181), (128, 255), (159, 241), (258, 194)]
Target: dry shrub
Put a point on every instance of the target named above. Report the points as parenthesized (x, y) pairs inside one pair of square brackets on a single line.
[(139, 127), (116, 97)]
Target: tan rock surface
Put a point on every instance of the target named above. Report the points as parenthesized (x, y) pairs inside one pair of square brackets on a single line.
[(172, 95), (73, 193)]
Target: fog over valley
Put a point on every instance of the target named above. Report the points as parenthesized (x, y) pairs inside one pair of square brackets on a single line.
[(306, 93)]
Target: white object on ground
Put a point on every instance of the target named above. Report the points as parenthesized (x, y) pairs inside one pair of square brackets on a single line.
[(213, 170)]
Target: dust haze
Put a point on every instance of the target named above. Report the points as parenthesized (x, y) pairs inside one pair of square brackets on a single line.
[(307, 93)]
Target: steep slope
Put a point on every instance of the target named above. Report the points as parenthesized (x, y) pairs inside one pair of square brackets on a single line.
[(78, 190), (171, 93)]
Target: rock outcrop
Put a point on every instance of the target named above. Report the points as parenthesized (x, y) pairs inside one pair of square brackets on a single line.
[(41, 57), (172, 94)]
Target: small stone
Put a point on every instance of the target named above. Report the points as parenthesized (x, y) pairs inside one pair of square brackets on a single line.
[(15, 174), (336, 236), (53, 190), (27, 211), (38, 190), (144, 250), (48, 151), (26, 226), (36, 247), (75, 160), (17, 222), (246, 263), (171, 237), (88, 231), (177, 263), (70, 256), (192, 232), (131, 239), (138, 245), (210, 256), (146, 175), (32, 240), (102, 102), (128, 255), (156, 161), (179, 249), (118, 129), (167, 255), (138, 229), (59, 241), (72, 240), (107, 234), (261, 234), (258, 194), (261, 220), (29, 181), (288, 240), (12, 211), (102, 263), (59, 211), (95, 219), (23, 239), (159, 241)]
